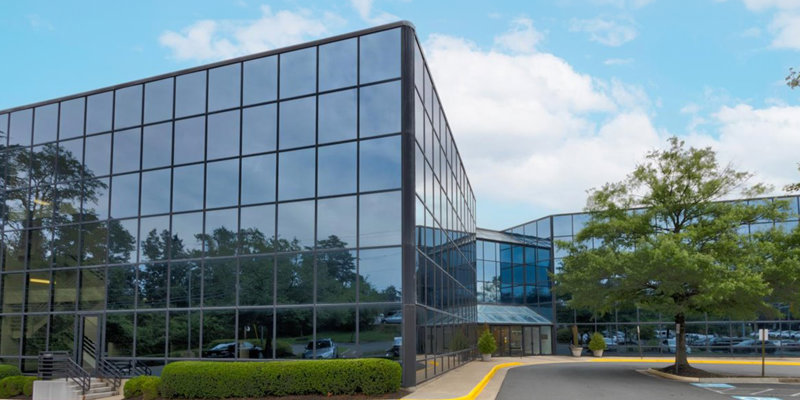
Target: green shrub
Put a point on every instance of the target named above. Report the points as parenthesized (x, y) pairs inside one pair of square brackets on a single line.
[(207, 379), (11, 386), (9, 370), (486, 343), (597, 342), (27, 389), (142, 386)]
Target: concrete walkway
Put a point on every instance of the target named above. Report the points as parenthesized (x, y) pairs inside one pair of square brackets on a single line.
[(460, 381)]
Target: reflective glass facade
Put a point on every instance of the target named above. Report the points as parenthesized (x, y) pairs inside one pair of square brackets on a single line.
[(235, 211)]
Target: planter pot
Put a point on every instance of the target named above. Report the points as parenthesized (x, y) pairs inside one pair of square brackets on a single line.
[(576, 350), (486, 357), (597, 353)]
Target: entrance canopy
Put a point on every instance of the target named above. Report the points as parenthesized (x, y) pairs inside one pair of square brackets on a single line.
[(495, 314)]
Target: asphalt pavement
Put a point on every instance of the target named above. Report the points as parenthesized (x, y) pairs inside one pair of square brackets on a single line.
[(623, 381)]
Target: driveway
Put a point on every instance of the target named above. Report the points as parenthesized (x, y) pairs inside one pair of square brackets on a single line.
[(621, 381)]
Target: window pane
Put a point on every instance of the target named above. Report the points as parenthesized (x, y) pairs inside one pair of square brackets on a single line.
[(98, 113), (13, 285), (258, 179), (152, 285), (219, 283), (186, 231), (379, 219), (128, 107), (380, 164), (184, 285), (297, 123), (155, 238), (380, 109), (336, 277), (122, 241), (337, 169), (222, 183), (337, 64), (190, 94), (184, 334), (65, 288), (219, 330), (260, 80), (255, 333), (188, 188), (255, 281), (381, 273), (298, 72), (380, 56), (150, 339), (296, 222), (337, 116), (338, 323), (71, 120), (124, 196), (98, 154), (119, 335), (223, 135), (70, 156), (377, 335), (258, 229), (190, 141), (296, 178), (158, 100), (121, 287), (155, 191), (336, 223), (95, 198), (93, 237), (295, 326), (126, 150), (10, 333), (46, 124), (562, 225), (220, 234), (19, 132), (259, 129), (93, 289), (157, 145), (223, 87)]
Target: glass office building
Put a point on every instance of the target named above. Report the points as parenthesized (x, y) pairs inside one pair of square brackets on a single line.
[(245, 209)]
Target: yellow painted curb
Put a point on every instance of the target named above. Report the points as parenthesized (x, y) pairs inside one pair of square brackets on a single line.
[(669, 360), (479, 387)]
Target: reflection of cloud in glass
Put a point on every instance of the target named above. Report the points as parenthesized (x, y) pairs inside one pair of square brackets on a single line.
[(381, 268), (296, 221), (380, 109)]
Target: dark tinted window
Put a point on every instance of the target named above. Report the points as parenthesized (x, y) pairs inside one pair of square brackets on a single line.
[(337, 169), (126, 150), (380, 109), (157, 145), (188, 188), (338, 64), (45, 125), (224, 87), (71, 120), (20, 129), (190, 94), (260, 80), (190, 140), (380, 56), (298, 72), (337, 116), (259, 129), (158, 100), (258, 179), (98, 113), (128, 107), (298, 123), (296, 174), (222, 183), (155, 191), (98, 154), (223, 135), (380, 164)]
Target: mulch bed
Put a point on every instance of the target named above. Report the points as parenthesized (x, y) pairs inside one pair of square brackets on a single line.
[(689, 371)]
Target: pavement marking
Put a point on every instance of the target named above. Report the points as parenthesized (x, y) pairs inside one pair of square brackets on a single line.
[(714, 385), (670, 360), (755, 398), (795, 395), (761, 391), (479, 387)]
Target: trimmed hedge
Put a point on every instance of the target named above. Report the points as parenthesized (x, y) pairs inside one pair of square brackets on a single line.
[(146, 386), (11, 386), (208, 379), (9, 370)]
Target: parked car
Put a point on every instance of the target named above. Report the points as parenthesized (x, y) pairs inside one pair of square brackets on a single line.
[(724, 343), (393, 318), (228, 350), (611, 343), (394, 351), (754, 346), (788, 345), (669, 346), (326, 348)]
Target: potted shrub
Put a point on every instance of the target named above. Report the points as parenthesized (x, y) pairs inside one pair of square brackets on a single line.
[(575, 347), (486, 344), (597, 344)]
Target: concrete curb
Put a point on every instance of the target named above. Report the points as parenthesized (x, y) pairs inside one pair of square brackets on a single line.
[(732, 379), (479, 387)]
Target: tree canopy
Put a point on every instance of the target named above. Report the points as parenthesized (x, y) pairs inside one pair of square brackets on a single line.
[(664, 240)]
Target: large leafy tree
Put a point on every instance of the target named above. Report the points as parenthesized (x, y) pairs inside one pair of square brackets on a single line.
[(665, 242)]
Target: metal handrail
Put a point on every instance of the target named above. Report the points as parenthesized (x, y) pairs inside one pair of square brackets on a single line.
[(111, 372), (59, 364), (139, 366)]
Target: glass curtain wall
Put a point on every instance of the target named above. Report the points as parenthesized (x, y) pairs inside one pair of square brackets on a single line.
[(445, 235), (250, 209)]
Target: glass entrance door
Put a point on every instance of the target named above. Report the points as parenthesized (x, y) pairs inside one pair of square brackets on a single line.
[(515, 340), (90, 340)]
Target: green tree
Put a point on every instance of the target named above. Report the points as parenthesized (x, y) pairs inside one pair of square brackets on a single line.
[(665, 242), (793, 79)]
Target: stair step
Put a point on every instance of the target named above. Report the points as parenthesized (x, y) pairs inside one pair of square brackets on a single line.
[(99, 395)]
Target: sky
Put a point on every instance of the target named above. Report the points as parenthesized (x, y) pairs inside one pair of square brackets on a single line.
[(545, 99)]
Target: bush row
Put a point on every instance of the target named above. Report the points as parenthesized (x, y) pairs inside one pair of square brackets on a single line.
[(145, 386), (8, 370), (11, 386), (208, 379)]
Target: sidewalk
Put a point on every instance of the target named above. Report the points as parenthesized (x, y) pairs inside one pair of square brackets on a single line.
[(460, 381)]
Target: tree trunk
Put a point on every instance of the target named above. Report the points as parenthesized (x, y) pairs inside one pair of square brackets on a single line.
[(680, 342)]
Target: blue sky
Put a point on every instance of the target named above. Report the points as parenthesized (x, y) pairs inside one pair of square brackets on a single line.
[(572, 93)]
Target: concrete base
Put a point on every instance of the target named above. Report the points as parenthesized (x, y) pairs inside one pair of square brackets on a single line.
[(53, 390)]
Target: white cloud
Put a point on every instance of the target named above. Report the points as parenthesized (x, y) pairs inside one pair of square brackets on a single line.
[(618, 61), (207, 40), (605, 31), (521, 38), (785, 24), (751, 32), (39, 23), (760, 5), (691, 108), (364, 9)]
